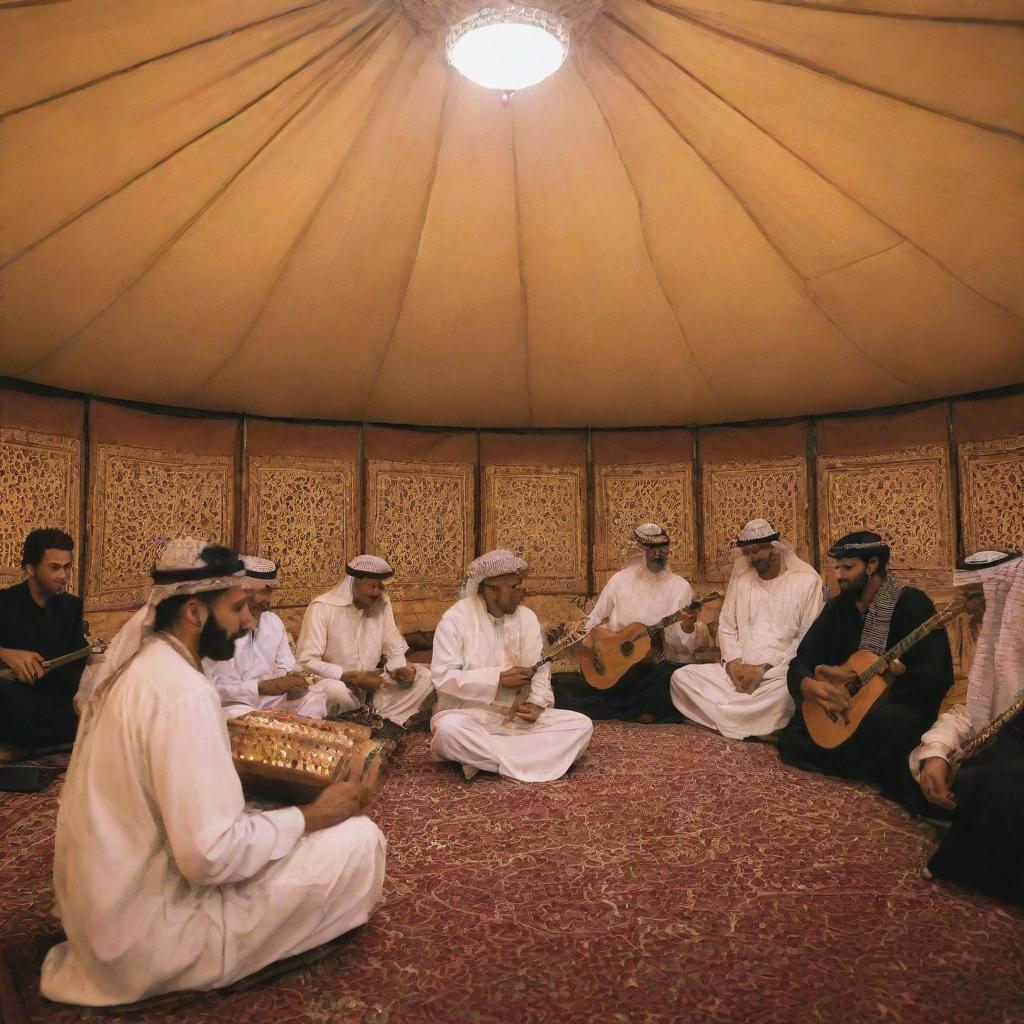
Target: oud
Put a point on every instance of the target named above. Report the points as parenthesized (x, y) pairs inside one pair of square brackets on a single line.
[(978, 742), (870, 686), (93, 647), (612, 653), (569, 639)]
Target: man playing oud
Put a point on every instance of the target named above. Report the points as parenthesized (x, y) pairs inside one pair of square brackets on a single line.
[(772, 599), (872, 612)]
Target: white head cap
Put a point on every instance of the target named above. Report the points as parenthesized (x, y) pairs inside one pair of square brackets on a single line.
[(499, 562)]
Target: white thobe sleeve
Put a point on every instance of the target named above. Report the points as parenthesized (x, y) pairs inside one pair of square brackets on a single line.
[(540, 686), (952, 728), (313, 643), (813, 603), (213, 839), (603, 607), (684, 643), (448, 674), (284, 660), (394, 645), (231, 684), (728, 628)]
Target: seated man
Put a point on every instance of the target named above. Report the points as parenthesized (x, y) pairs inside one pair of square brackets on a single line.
[(263, 673), (345, 634), (40, 620), (645, 590), (984, 847), (771, 601), (872, 612), (163, 880), (485, 650)]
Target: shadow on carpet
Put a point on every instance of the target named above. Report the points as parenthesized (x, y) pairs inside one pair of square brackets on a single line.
[(673, 876)]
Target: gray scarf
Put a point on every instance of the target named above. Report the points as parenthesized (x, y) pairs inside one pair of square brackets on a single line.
[(875, 633)]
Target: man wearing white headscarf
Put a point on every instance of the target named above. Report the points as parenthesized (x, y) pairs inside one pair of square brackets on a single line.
[(985, 845), (163, 880), (345, 634), (771, 600), (486, 650), (263, 672), (645, 590)]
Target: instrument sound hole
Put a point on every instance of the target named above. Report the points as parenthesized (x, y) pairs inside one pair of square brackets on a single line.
[(627, 648)]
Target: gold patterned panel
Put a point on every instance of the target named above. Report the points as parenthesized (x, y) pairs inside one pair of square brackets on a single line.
[(992, 493), (420, 517), (905, 496), (540, 513), (302, 512), (628, 495), (142, 497), (40, 485), (736, 492)]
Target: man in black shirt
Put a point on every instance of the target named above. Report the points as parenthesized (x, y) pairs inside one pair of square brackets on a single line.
[(872, 612), (40, 620)]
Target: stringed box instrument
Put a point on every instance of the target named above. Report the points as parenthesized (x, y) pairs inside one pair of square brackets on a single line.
[(612, 653), (870, 685), (91, 647)]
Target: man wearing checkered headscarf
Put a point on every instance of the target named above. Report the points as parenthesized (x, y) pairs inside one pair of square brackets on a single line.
[(771, 600), (486, 653), (153, 826)]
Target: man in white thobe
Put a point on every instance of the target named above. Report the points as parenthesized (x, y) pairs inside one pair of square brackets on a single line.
[(495, 708), (163, 880), (263, 673), (347, 632), (770, 602), (645, 590)]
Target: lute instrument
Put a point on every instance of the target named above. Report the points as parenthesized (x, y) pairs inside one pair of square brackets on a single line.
[(606, 661), (980, 740), (870, 686), (567, 640), (93, 647)]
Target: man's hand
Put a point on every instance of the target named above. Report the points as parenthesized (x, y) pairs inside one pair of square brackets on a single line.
[(334, 804), (688, 620), (734, 670), (27, 665), (371, 680), (518, 675), (831, 697), (295, 686), (934, 782), (404, 676), (745, 678), (529, 712)]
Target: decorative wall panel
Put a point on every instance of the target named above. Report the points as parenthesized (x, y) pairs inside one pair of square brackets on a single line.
[(40, 485), (992, 493), (904, 495), (628, 495), (736, 492), (420, 516), (303, 513), (540, 513), (139, 499)]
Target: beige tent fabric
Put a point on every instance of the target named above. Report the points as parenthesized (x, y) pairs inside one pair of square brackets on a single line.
[(716, 210)]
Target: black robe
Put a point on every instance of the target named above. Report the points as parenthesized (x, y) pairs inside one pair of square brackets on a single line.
[(41, 715), (879, 750)]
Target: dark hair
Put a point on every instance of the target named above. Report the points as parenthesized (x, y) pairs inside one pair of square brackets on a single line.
[(168, 610), (38, 541)]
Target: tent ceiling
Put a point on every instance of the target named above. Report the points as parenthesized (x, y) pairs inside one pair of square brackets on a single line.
[(716, 210)]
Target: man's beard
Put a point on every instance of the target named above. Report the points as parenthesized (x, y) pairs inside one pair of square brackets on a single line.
[(214, 642), (657, 564), (854, 588)]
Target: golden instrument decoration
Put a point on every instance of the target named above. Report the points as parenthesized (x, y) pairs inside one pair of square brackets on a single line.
[(92, 647), (611, 654), (829, 729), (570, 638), (980, 740), (291, 758)]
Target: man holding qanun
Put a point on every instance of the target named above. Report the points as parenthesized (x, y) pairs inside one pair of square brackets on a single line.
[(872, 612), (771, 600), (485, 649), (163, 879)]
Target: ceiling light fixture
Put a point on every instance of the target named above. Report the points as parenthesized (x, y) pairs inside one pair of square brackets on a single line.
[(508, 48)]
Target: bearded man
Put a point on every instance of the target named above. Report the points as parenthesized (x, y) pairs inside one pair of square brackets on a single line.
[(984, 847), (486, 649), (770, 602), (347, 633), (263, 674), (164, 881), (872, 612)]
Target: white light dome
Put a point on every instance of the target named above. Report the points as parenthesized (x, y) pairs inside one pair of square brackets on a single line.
[(508, 48)]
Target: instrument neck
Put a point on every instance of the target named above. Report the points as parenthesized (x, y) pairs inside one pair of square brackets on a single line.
[(896, 651)]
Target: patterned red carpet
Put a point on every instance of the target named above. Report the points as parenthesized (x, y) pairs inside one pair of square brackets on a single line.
[(672, 877)]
